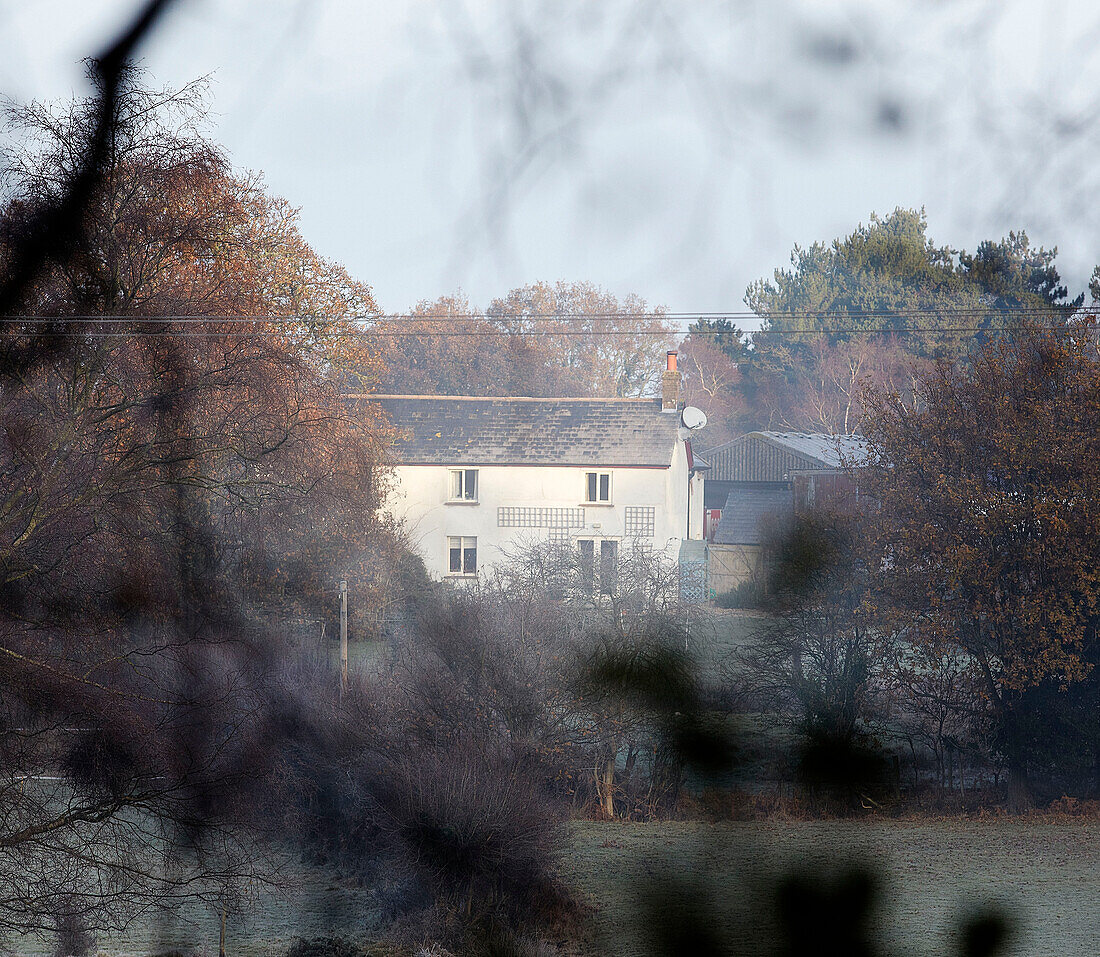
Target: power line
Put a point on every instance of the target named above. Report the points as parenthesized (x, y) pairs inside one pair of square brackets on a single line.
[(528, 334), (559, 316), (387, 326), (374, 334)]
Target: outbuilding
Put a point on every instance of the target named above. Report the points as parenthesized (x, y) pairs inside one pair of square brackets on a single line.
[(755, 486)]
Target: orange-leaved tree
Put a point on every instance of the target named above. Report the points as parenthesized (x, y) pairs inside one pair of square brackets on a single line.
[(182, 476), (560, 339), (591, 342), (446, 347), (989, 516), (191, 291)]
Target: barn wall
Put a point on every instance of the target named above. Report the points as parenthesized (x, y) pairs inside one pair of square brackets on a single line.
[(731, 565), (753, 459), (825, 488)]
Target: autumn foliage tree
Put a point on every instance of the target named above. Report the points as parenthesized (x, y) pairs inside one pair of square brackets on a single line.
[(989, 500), (446, 347), (713, 381), (545, 339), (182, 476), (193, 287)]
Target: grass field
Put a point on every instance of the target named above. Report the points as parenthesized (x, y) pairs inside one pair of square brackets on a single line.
[(934, 872), (1046, 874)]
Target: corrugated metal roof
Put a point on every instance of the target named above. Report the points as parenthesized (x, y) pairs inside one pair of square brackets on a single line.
[(748, 512), (772, 456), (834, 451), (471, 430)]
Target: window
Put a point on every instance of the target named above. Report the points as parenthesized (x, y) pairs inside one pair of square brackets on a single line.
[(597, 487), (586, 563), (608, 572), (463, 485), (609, 567), (462, 555), (587, 549)]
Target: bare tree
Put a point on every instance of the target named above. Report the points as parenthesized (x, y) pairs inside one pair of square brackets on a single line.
[(818, 660), (934, 704)]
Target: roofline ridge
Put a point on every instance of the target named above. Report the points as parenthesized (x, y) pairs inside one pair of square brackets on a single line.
[(810, 435), (509, 398)]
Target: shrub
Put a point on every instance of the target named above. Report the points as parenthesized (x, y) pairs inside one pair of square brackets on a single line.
[(473, 826), (436, 779), (324, 947), (746, 595)]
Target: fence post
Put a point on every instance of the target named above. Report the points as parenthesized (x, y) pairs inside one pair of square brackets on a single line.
[(343, 637)]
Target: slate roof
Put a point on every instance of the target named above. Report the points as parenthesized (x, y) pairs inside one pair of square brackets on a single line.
[(772, 456), (747, 513), (467, 430)]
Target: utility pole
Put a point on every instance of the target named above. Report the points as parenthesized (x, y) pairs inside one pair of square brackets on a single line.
[(343, 637)]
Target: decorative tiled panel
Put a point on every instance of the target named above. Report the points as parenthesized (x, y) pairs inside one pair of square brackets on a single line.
[(640, 521), (533, 516)]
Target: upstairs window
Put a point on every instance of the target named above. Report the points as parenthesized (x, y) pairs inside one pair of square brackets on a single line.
[(463, 485), (462, 555), (597, 487)]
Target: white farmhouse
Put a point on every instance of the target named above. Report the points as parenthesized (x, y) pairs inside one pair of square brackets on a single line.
[(478, 478)]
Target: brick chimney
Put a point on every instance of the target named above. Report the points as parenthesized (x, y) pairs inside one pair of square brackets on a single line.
[(670, 385)]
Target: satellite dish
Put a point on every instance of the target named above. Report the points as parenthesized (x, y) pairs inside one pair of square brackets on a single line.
[(693, 418)]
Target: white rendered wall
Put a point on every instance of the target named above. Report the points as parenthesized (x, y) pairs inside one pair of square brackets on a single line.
[(421, 498)]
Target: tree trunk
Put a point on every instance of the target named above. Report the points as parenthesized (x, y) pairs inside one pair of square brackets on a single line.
[(1020, 798), (605, 783), (628, 768)]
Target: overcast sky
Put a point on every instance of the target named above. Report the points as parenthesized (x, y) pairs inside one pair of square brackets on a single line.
[(675, 150)]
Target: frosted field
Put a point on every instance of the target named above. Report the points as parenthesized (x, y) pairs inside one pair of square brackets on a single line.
[(1046, 875)]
